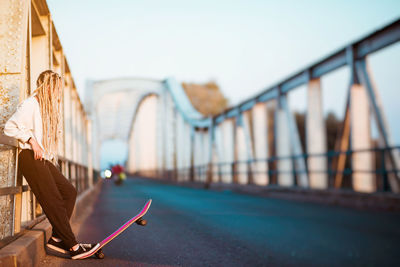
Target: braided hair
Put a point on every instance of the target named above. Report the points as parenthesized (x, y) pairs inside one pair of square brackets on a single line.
[(49, 95)]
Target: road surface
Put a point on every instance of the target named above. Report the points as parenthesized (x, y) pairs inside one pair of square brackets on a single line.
[(198, 227)]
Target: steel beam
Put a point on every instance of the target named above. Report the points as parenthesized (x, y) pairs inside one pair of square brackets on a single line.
[(297, 150), (378, 112)]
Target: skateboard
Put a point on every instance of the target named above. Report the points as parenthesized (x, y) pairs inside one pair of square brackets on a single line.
[(138, 219)]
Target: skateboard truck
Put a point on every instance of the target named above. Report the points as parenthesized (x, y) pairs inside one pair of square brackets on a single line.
[(99, 254)]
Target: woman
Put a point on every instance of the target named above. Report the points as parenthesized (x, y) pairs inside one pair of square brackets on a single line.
[(36, 125)]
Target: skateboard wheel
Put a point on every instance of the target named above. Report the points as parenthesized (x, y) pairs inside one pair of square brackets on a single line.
[(99, 254), (141, 222)]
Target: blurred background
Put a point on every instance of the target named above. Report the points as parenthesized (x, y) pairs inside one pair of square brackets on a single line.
[(239, 47)]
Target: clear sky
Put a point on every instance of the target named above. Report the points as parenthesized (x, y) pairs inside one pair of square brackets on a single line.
[(244, 46)]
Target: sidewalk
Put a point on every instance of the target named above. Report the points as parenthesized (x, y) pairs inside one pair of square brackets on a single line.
[(29, 249)]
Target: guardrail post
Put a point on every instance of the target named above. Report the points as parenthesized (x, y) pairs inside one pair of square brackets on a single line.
[(18, 202), (78, 188), (384, 176)]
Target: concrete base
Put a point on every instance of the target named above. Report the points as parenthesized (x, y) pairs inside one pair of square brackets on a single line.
[(29, 249)]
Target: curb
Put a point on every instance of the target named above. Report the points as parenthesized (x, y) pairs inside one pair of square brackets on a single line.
[(29, 249), (377, 201), (345, 198)]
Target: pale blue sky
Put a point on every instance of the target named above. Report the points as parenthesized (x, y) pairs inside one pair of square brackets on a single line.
[(244, 45)]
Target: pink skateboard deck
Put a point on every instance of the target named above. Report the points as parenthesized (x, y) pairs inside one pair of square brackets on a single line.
[(120, 230)]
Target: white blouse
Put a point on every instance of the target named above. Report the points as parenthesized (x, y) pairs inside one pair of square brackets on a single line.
[(27, 122)]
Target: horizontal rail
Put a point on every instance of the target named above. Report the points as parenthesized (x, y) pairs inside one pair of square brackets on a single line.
[(9, 141), (331, 153), (11, 190)]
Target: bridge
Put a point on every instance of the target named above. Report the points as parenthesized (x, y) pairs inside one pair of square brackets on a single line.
[(249, 157)]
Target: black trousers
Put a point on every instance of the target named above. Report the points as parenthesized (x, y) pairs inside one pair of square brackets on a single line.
[(53, 191)]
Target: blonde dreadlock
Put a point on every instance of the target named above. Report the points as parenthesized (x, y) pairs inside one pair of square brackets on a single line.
[(49, 95)]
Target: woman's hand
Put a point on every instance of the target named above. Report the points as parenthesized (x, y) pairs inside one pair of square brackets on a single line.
[(37, 150)]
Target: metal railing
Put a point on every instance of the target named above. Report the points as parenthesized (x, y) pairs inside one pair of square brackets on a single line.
[(19, 208), (219, 169)]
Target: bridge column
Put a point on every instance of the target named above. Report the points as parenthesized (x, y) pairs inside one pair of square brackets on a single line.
[(130, 161), (168, 137), (89, 152), (187, 150), (241, 151), (362, 162), (179, 141), (316, 136), (160, 143), (136, 151), (201, 155), (246, 118), (217, 154), (75, 144), (78, 131), (146, 130), (206, 156), (197, 155), (214, 166), (284, 166), (260, 122), (228, 150)]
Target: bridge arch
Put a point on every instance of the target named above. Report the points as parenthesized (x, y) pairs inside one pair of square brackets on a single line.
[(109, 105), (114, 104), (144, 137)]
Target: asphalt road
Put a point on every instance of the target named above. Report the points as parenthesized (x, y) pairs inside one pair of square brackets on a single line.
[(197, 227)]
